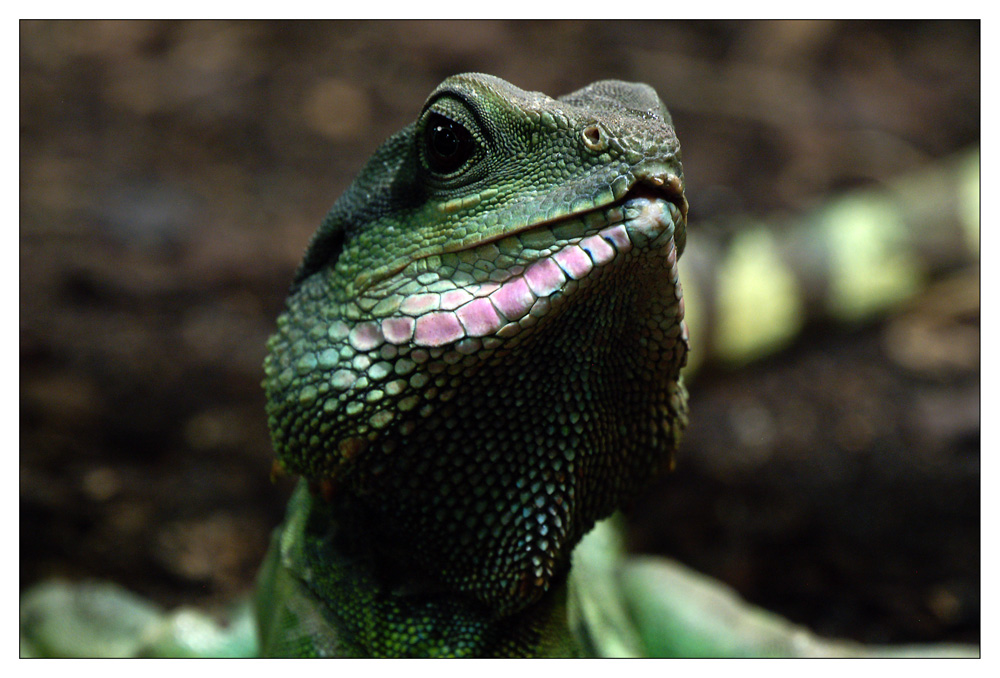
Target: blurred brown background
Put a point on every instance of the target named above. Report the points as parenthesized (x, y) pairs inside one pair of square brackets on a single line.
[(172, 173)]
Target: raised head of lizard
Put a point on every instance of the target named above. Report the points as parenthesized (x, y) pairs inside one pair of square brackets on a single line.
[(481, 351)]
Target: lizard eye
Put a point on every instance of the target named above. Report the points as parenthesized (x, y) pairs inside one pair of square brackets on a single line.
[(448, 145)]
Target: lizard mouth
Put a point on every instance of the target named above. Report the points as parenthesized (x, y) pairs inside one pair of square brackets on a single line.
[(662, 186), (493, 290)]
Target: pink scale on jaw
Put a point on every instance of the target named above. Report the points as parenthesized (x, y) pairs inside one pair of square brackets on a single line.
[(574, 261), (438, 329), (365, 336), (619, 236), (398, 330), (479, 318), (453, 299), (513, 299), (419, 304), (486, 289), (599, 250), (544, 277)]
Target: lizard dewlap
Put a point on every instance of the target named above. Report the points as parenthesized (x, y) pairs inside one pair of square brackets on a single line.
[(480, 357)]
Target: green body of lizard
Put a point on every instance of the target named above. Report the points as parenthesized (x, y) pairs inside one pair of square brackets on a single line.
[(480, 358)]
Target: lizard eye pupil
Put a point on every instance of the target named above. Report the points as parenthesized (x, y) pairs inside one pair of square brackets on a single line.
[(448, 144)]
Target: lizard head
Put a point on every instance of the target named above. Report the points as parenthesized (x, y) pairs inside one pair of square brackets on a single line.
[(482, 346)]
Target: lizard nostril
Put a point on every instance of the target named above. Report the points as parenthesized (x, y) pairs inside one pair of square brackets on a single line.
[(593, 139)]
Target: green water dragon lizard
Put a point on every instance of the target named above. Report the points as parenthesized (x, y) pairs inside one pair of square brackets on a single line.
[(480, 358)]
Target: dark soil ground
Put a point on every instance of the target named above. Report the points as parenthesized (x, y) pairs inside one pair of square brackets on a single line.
[(172, 173)]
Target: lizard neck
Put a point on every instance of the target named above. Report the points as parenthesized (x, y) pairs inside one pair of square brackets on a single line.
[(379, 604)]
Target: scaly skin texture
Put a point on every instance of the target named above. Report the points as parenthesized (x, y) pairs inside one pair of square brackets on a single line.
[(480, 358)]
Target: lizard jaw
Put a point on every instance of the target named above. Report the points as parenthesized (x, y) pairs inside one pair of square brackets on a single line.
[(516, 297)]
